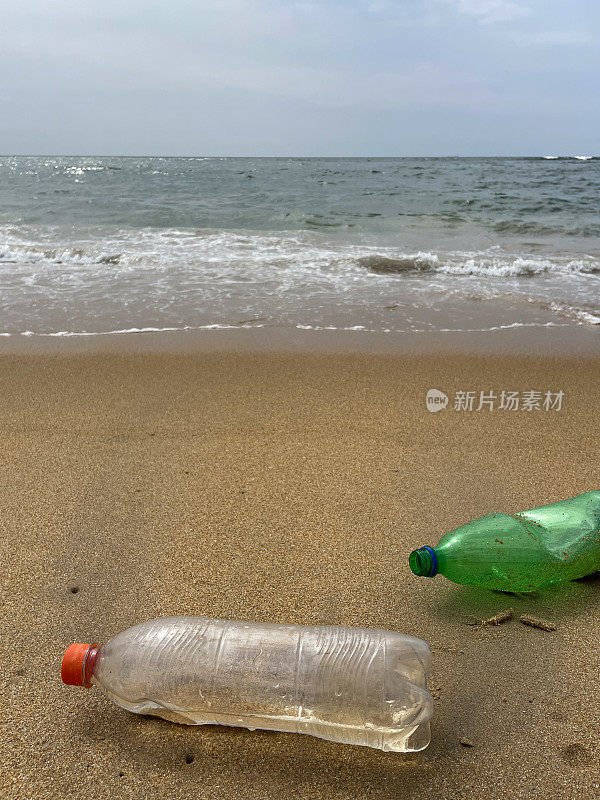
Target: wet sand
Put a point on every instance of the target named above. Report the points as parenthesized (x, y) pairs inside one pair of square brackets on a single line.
[(287, 487)]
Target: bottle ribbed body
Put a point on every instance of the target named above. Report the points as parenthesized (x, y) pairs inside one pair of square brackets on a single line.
[(352, 685)]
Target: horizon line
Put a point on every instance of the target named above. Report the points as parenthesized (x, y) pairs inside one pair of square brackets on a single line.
[(163, 155)]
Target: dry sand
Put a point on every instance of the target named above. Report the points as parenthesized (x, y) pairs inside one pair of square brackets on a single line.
[(287, 487)]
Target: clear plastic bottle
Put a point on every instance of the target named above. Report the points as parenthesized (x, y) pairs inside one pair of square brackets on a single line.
[(352, 685)]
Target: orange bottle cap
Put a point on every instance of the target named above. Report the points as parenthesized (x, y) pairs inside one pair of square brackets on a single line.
[(74, 670)]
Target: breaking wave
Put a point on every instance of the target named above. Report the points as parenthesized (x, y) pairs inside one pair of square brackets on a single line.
[(56, 282), (477, 264)]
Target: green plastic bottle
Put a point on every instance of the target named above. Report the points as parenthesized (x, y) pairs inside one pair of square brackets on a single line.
[(519, 552)]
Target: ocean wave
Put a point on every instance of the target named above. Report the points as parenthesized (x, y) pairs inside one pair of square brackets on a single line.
[(120, 331), (29, 255), (242, 257), (476, 264), (300, 327), (521, 227), (585, 316), (569, 158), (389, 265), (147, 280)]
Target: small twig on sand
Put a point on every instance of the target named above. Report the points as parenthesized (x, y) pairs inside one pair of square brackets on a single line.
[(526, 619), (498, 619)]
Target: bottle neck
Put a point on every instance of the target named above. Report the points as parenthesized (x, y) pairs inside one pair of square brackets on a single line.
[(423, 562), (89, 662)]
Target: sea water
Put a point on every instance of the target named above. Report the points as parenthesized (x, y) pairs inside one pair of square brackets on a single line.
[(90, 245)]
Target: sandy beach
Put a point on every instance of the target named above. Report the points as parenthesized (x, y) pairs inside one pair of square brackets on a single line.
[(287, 487)]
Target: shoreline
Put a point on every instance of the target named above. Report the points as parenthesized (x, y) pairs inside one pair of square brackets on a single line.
[(567, 340)]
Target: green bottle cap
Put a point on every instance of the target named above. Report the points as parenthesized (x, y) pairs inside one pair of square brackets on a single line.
[(423, 562)]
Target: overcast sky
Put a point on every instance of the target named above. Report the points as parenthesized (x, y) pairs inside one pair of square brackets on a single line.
[(275, 77)]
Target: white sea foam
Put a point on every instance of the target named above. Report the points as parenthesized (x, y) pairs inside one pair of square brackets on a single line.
[(41, 258), (149, 280), (242, 255), (305, 327), (212, 327), (582, 315), (587, 317), (484, 264)]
